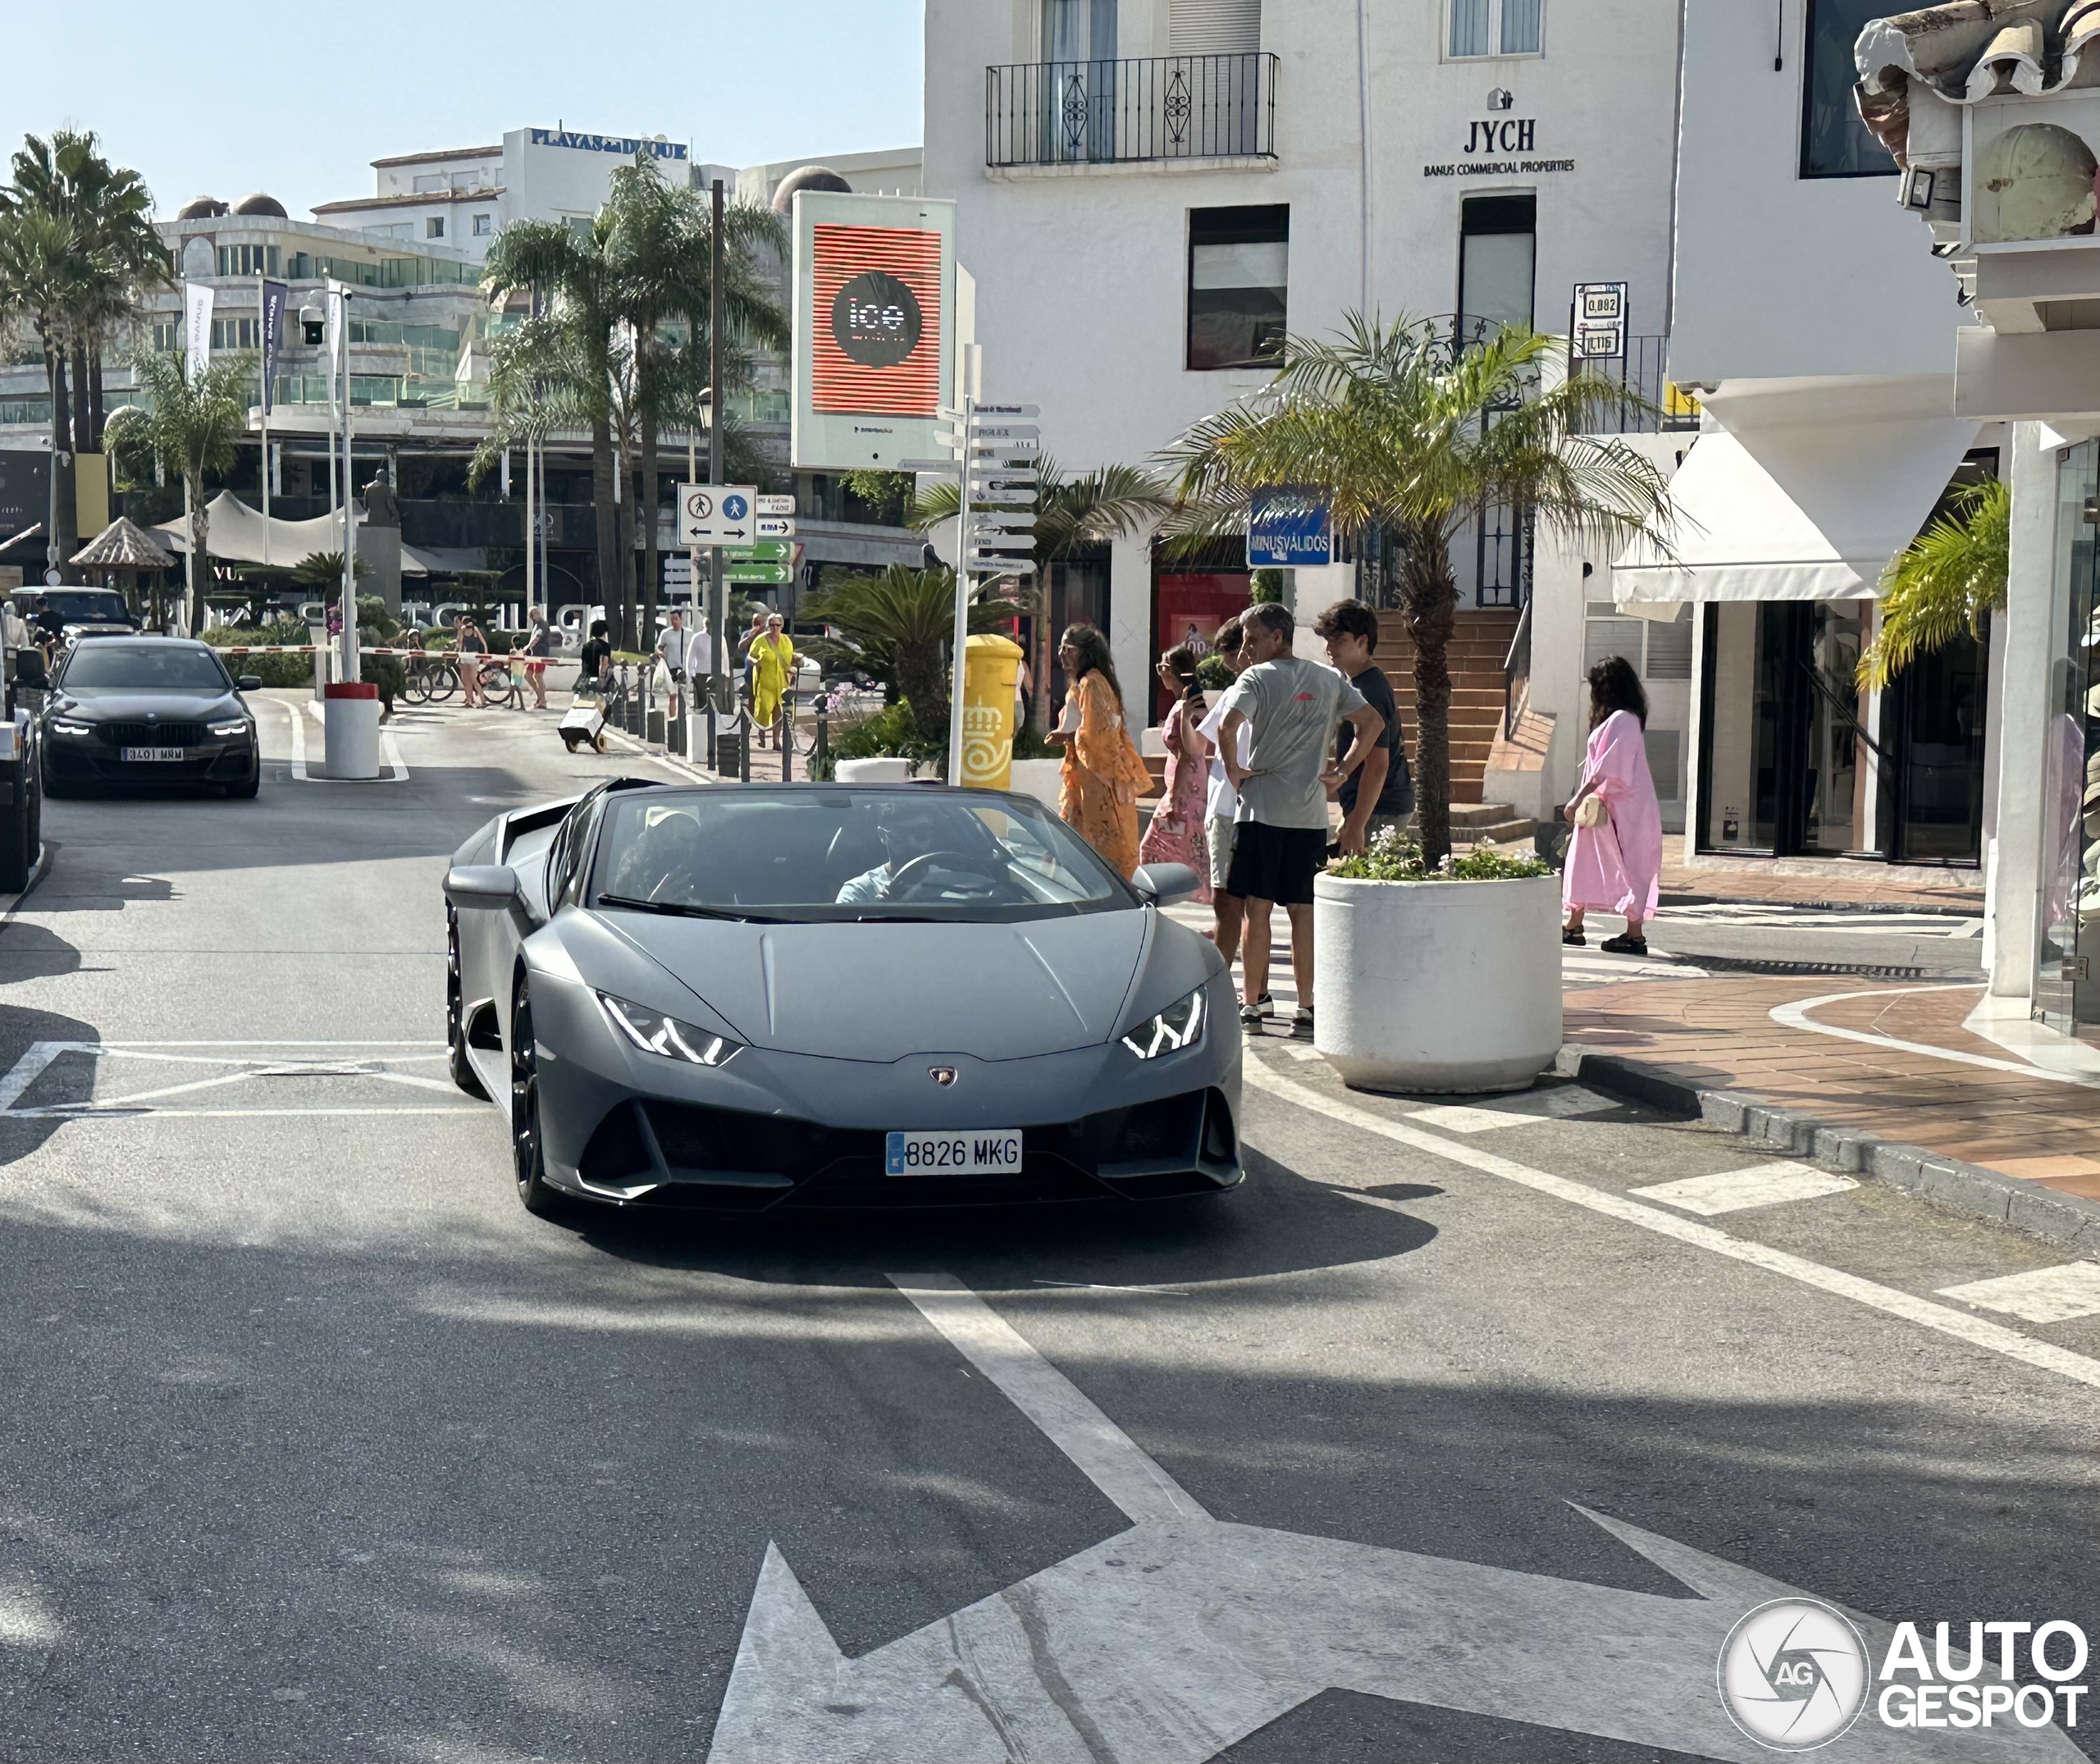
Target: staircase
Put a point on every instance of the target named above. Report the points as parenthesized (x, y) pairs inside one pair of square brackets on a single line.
[(1480, 644)]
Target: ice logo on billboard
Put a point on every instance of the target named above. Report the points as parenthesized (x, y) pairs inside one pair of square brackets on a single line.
[(876, 320), (1793, 1674)]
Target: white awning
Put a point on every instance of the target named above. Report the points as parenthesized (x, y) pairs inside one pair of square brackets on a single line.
[(1808, 509), (234, 532)]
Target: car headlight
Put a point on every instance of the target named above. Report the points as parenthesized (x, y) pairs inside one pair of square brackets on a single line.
[(654, 1033), (1179, 1025), (61, 725), (228, 731)]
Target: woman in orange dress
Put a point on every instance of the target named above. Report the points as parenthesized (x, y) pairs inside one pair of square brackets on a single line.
[(1103, 776)]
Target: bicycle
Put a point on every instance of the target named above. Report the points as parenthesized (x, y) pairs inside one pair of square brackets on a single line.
[(431, 679), (500, 685)]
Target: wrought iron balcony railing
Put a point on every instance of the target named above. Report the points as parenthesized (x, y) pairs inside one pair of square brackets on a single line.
[(1167, 107)]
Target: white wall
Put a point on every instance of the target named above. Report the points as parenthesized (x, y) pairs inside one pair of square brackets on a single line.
[(1778, 275)]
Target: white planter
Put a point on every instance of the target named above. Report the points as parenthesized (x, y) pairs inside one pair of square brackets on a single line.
[(886, 771), (1437, 986), (1038, 778)]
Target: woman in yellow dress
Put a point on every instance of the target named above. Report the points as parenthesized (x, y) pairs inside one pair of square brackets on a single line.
[(774, 653), (1103, 776)]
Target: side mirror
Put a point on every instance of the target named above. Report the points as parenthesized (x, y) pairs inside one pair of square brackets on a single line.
[(1162, 884), (486, 888), (250, 683), (29, 670)]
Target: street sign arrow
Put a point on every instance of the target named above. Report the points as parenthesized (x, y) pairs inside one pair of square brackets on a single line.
[(1174, 1640), (1000, 566), (1014, 498), (760, 575), (773, 527), (1005, 431), (1019, 520), (758, 551)]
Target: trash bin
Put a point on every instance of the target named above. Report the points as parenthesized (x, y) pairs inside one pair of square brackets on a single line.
[(990, 665)]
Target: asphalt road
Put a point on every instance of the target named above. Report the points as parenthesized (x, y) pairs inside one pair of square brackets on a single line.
[(317, 1445)]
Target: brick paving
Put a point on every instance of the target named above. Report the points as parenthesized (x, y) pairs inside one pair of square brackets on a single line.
[(1855, 884), (1718, 1034)]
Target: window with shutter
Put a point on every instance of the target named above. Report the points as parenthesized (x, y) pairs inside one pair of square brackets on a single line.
[(1214, 27)]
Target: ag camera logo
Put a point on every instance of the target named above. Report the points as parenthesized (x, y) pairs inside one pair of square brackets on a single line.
[(1793, 1674)]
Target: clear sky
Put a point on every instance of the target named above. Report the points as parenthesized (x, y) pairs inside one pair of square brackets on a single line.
[(298, 101)]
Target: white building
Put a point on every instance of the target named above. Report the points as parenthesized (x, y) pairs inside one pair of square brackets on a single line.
[(463, 197), (1151, 192), (1823, 352)]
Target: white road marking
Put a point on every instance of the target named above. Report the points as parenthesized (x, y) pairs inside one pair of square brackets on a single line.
[(1976, 1330), (1795, 1016), (2042, 1294), (397, 768), (1102, 1450), (1175, 1640), (391, 749), (1563, 1102), (1762, 1184), (38, 1057), (624, 743), (298, 740), (1096, 1286)]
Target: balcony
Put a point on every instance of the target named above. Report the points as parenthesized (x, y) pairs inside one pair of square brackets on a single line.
[(1161, 109)]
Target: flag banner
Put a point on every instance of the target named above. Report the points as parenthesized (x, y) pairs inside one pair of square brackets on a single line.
[(274, 293), (197, 329)]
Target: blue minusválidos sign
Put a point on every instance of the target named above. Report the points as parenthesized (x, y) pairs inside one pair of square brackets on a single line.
[(1288, 527)]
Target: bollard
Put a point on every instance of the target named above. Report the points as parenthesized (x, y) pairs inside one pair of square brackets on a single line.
[(744, 752), (787, 738), (820, 746)]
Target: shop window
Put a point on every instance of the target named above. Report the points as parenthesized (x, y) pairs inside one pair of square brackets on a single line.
[(1495, 27), (1497, 247), (2067, 976), (1785, 762), (1238, 263), (1834, 142)]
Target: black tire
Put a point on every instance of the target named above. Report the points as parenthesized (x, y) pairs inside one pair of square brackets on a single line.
[(57, 787), (455, 1013), (528, 1154), (251, 784), (17, 839), (442, 682)]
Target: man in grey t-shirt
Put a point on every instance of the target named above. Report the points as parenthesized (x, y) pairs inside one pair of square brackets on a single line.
[(1292, 707)]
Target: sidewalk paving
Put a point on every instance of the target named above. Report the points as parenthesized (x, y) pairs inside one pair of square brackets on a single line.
[(1830, 883)]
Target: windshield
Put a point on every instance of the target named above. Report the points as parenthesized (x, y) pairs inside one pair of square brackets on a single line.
[(145, 668), (85, 606), (811, 854)]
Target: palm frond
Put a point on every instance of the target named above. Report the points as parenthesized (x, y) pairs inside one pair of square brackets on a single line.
[(1943, 582)]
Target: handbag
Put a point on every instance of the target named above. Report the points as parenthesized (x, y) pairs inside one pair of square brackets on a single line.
[(1593, 811)]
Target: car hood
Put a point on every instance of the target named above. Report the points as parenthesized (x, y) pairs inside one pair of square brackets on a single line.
[(116, 704), (883, 991)]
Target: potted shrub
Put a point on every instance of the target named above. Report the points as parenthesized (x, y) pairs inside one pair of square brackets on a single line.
[(1438, 980)]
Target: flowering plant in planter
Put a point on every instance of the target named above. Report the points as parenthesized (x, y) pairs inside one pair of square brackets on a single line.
[(1397, 857)]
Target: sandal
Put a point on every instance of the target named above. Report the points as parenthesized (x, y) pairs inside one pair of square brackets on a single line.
[(1623, 945), (1574, 938)]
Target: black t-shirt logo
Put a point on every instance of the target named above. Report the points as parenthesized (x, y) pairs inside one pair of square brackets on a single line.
[(876, 320)]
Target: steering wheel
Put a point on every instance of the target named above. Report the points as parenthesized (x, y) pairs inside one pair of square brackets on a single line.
[(909, 875)]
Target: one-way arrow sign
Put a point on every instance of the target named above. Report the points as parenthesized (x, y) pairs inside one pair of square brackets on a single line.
[(1175, 1639)]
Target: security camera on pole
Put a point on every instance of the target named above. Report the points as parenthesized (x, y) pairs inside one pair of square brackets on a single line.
[(997, 462)]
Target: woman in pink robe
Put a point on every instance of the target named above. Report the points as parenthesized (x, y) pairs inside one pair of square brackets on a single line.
[(1616, 867)]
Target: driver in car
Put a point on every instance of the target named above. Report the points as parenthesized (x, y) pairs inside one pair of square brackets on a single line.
[(909, 829)]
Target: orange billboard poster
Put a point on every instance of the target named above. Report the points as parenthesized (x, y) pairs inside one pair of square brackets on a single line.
[(875, 343)]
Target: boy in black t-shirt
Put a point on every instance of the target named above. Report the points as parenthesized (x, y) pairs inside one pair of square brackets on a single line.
[(1379, 795)]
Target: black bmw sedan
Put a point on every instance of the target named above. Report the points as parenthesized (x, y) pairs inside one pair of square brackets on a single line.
[(148, 710)]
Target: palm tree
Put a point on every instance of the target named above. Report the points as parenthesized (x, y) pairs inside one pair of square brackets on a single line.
[(111, 213), (44, 283), (661, 249), (562, 360), (186, 427), (1072, 514), (898, 627), (1944, 582), (1400, 430)]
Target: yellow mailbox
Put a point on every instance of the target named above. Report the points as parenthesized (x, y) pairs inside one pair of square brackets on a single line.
[(990, 666)]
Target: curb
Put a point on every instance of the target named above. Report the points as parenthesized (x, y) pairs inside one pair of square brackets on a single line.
[(1949, 1182), (1700, 898)]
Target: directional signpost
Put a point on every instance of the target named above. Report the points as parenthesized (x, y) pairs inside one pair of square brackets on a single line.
[(996, 461), (716, 513)]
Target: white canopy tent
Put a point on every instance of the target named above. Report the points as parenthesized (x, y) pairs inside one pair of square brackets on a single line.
[(1800, 497), (234, 533)]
